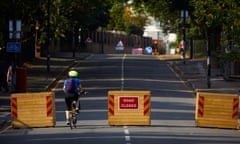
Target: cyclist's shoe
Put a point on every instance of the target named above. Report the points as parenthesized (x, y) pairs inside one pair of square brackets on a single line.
[(67, 122)]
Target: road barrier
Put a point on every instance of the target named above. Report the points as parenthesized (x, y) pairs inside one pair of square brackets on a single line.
[(137, 51), (217, 110), (129, 108), (33, 110)]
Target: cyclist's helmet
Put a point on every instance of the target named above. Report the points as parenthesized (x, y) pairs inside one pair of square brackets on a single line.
[(73, 73)]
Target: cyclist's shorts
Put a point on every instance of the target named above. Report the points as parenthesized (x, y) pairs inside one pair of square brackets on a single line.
[(69, 98)]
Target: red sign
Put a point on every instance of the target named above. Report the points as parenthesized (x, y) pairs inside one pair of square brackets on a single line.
[(128, 102)]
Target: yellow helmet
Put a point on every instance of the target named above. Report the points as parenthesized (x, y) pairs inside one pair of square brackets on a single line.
[(73, 73)]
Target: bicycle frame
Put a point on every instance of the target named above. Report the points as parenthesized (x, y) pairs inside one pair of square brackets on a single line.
[(73, 116), (73, 112)]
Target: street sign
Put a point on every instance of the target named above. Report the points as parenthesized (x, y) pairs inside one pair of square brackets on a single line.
[(15, 28), (13, 47), (119, 46)]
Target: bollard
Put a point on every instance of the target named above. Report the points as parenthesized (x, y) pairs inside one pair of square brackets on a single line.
[(21, 80)]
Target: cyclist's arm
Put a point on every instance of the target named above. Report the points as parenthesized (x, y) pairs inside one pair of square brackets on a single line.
[(80, 88), (64, 86)]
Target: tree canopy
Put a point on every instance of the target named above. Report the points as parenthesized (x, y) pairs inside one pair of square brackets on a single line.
[(205, 17), (60, 15), (57, 17)]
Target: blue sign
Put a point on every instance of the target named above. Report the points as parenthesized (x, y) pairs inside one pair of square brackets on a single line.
[(13, 47), (148, 50)]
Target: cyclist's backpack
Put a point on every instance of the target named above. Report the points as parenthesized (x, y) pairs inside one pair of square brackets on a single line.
[(70, 85)]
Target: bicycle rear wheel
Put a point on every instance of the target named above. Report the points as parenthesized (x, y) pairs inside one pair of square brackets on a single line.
[(73, 121)]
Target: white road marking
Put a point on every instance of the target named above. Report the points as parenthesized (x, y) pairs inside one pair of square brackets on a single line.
[(127, 135), (122, 71), (127, 138), (126, 131)]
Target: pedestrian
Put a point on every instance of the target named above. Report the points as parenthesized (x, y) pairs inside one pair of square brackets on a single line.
[(71, 87), (9, 75), (3, 76), (180, 46)]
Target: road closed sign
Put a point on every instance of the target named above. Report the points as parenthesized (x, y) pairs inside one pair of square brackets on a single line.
[(128, 102)]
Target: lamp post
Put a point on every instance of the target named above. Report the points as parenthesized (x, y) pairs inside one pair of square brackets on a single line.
[(73, 42), (103, 38), (184, 16), (79, 37), (48, 37), (36, 40), (208, 58)]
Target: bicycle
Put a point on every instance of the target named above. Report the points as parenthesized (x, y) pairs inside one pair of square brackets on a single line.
[(74, 112)]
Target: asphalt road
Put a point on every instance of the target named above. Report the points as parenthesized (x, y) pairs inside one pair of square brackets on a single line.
[(172, 107)]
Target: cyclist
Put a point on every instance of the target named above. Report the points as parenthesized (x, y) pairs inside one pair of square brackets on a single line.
[(71, 87)]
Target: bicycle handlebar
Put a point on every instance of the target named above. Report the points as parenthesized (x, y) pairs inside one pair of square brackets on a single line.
[(82, 93)]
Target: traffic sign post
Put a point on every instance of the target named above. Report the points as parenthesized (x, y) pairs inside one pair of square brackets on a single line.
[(14, 47)]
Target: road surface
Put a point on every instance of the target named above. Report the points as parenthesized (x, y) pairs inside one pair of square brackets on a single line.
[(172, 107)]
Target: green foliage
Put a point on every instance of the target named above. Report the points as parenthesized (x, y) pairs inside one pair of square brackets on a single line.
[(66, 16), (232, 56), (63, 16), (133, 29), (135, 20), (204, 15), (164, 11), (174, 44), (116, 17), (126, 17)]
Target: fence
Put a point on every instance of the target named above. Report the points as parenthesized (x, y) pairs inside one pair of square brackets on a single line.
[(105, 41), (199, 49)]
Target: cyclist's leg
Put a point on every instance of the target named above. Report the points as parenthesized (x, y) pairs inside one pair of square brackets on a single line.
[(68, 101), (76, 98)]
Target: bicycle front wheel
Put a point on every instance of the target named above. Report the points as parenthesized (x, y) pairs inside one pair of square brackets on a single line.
[(75, 122)]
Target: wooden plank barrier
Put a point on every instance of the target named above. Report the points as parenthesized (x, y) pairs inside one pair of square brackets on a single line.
[(33, 110), (217, 110), (129, 108)]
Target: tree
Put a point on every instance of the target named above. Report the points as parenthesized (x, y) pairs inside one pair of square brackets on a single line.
[(116, 21), (211, 17), (165, 11), (126, 17), (62, 15), (217, 18), (5, 13), (135, 20)]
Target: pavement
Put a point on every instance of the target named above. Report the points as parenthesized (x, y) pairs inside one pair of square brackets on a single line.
[(193, 73)]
